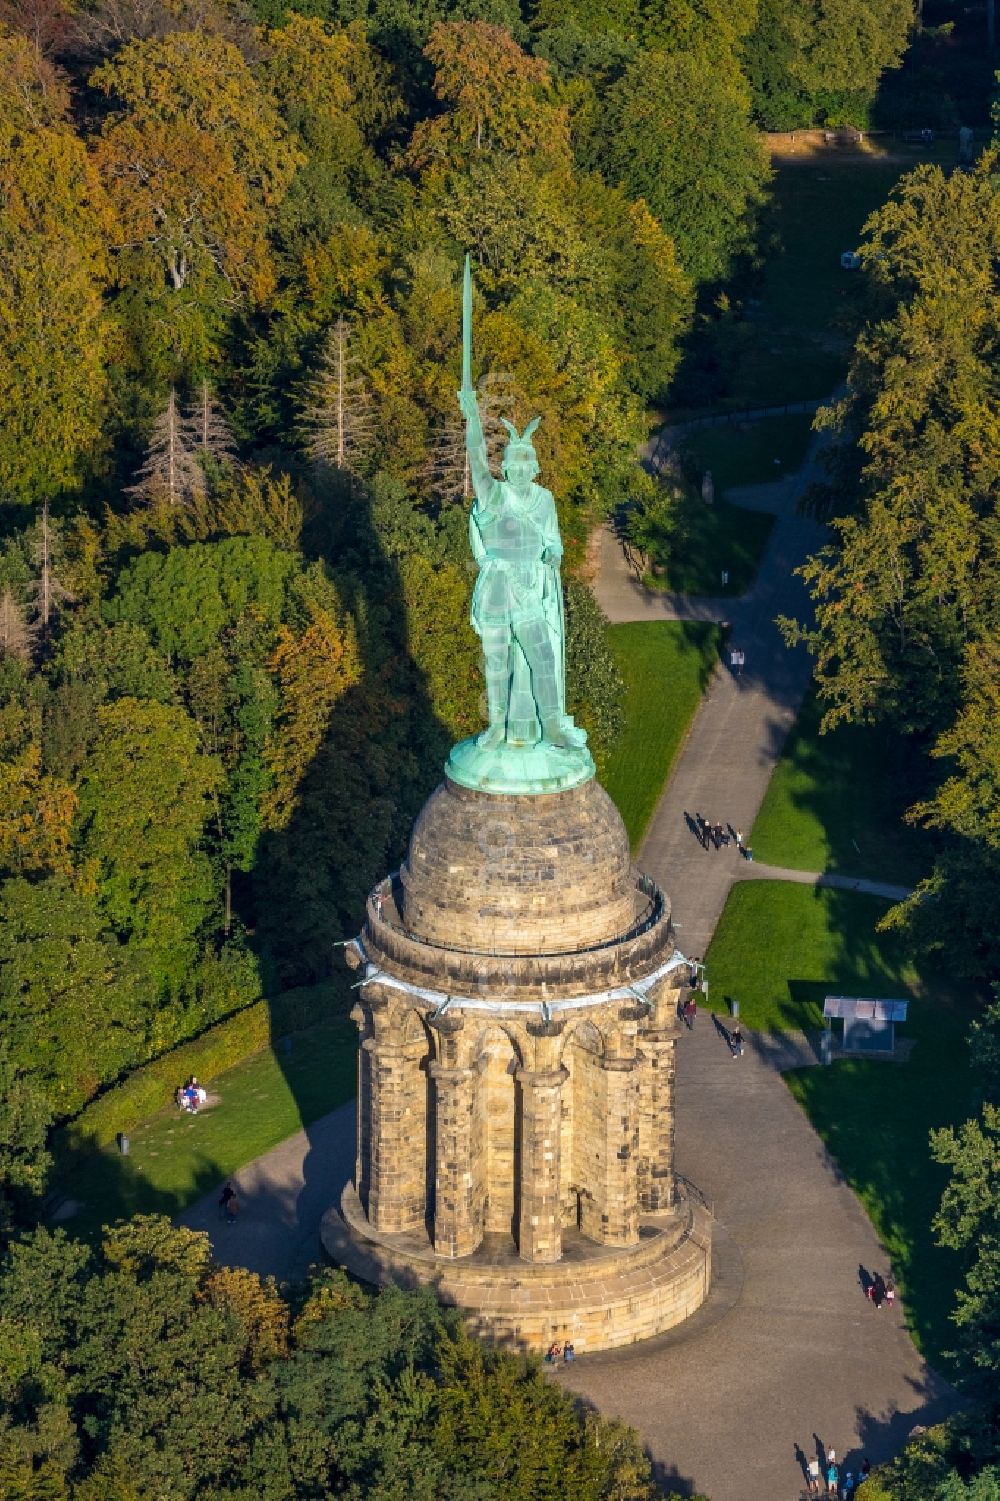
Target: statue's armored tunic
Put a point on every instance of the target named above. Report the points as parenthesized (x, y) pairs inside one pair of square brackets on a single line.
[(509, 539)]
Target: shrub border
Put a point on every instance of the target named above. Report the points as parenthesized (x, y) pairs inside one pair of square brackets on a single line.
[(221, 1047)]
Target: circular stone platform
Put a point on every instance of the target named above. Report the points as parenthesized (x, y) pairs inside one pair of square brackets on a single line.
[(597, 1297)]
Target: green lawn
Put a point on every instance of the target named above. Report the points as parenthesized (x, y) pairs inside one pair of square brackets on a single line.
[(175, 1158), (795, 342), (790, 338), (780, 949), (745, 453), (666, 666), (711, 540), (836, 802)]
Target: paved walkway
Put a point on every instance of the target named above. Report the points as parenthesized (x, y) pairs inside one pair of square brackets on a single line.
[(757, 870), (283, 1196)]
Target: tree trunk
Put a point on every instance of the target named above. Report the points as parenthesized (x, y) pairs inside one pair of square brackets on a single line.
[(340, 393), (172, 450), (45, 581)]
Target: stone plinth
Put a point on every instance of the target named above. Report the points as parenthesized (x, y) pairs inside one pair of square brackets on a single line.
[(598, 1301), (518, 1015)]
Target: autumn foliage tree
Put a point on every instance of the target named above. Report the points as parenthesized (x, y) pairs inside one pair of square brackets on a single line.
[(56, 224), (195, 157), (908, 593)]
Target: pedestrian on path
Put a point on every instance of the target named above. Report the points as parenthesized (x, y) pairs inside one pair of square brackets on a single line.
[(736, 1041), (812, 1476), (832, 1479), (690, 1012), (878, 1290), (229, 1203)]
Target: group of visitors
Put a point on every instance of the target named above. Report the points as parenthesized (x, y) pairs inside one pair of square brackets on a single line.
[(720, 836), (557, 1352), (190, 1096), (881, 1290), (823, 1469)]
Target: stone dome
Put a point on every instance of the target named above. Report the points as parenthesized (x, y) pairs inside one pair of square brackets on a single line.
[(496, 874)]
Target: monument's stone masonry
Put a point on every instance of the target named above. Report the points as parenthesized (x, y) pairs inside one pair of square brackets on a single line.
[(518, 1016)]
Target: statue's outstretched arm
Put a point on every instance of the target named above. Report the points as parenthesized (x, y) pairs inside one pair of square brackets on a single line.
[(475, 446)]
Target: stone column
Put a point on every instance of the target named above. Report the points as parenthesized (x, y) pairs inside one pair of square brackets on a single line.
[(458, 1194), (397, 1134), (614, 1216), (539, 1232), (362, 1156), (656, 1146)]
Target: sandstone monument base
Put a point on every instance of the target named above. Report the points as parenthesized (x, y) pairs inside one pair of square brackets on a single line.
[(519, 1016)]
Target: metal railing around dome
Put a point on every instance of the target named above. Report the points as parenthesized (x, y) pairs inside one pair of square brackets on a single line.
[(383, 905)]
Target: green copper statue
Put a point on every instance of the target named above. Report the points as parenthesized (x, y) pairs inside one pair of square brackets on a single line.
[(517, 611)]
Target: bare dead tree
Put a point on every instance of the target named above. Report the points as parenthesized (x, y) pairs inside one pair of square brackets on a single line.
[(46, 23), (499, 397), (338, 419), (17, 633), (206, 427), (101, 27), (47, 591), (170, 473), (446, 473)]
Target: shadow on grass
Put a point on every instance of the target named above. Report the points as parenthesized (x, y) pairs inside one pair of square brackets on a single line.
[(175, 1158), (836, 802), (712, 540)]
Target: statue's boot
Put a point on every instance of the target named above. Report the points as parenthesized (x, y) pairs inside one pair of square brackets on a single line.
[(559, 730), (494, 736), (496, 704)]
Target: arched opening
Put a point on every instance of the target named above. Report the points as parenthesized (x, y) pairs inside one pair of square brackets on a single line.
[(581, 1130), (420, 1115), (498, 1094), (363, 1159)]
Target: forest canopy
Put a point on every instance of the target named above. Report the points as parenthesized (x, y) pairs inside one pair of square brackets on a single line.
[(234, 577)]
